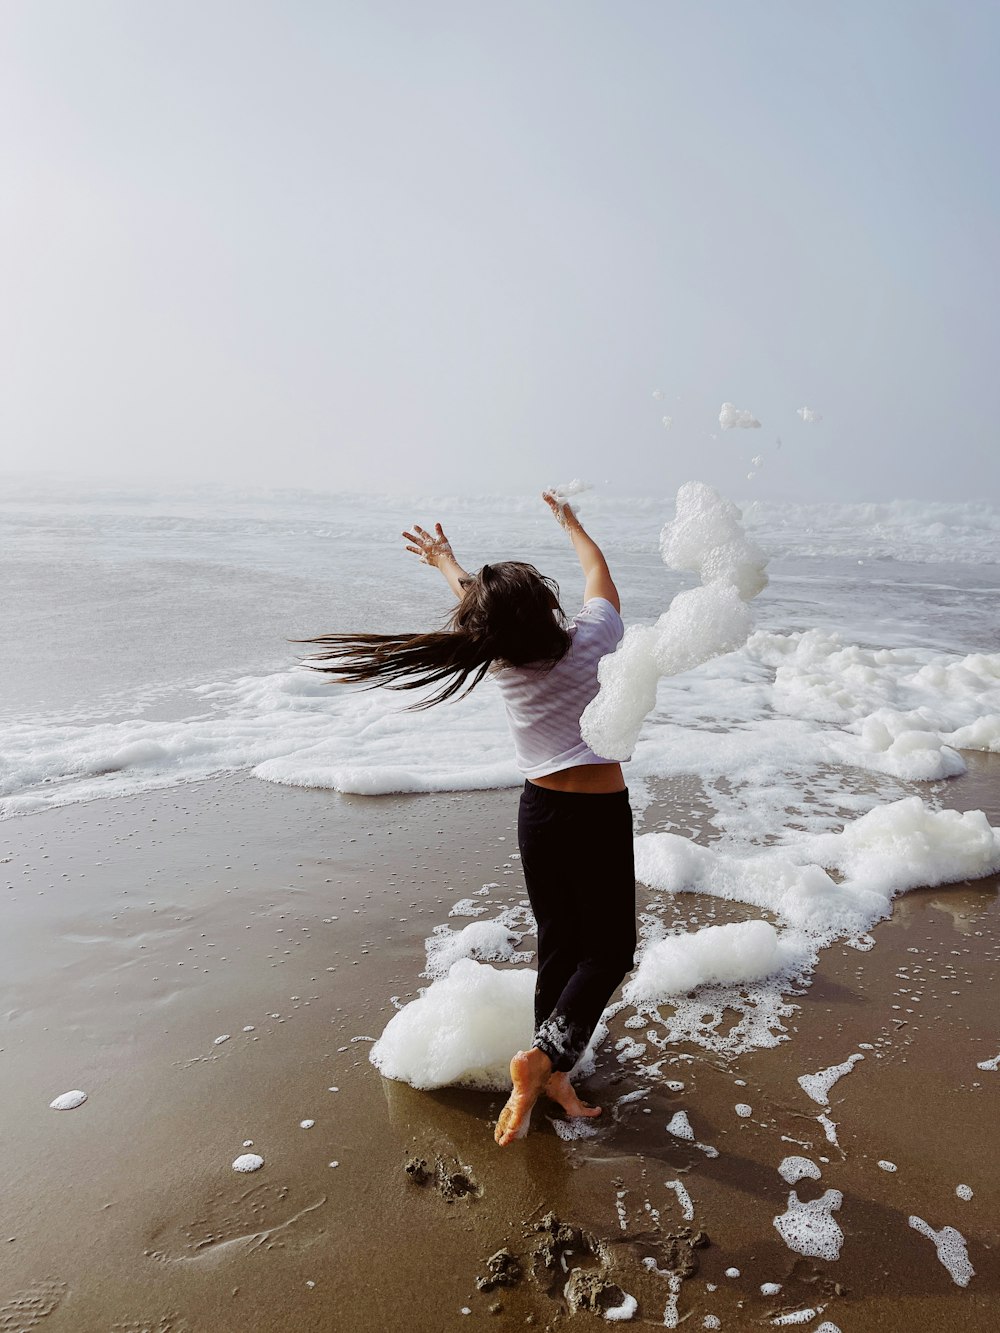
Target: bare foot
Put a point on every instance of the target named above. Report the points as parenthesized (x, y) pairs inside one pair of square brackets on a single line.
[(562, 1091), (529, 1071)]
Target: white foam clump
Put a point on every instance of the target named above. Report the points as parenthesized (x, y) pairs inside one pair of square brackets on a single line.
[(817, 1086), (793, 1169), (680, 1126), (220, 1039), (731, 417), (809, 1228), (622, 1313), (705, 537), (683, 1198), (907, 711), (891, 849), (488, 941), (568, 490), (461, 1030), (796, 1316), (989, 1064), (739, 951), (468, 907), (951, 1250), (576, 1128), (770, 1288), (306, 1124), (743, 1110), (808, 414), (964, 1192), (248, 1161), (68, 1101), (887, 1165)]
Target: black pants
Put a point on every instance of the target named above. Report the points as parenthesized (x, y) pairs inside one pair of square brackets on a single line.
[(576, 853)]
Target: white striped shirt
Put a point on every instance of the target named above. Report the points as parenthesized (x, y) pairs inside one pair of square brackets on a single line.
[(544, 705)]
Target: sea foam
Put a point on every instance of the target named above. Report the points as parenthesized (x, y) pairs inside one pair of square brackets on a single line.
[(463, 1029), (705, 538)]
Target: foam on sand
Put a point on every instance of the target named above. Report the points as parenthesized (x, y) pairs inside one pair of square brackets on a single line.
[(951, 1250), (683, 1198), (68, 1101), (680, 1126), (890, 850), (488, 941), (622, 1313), (705, 538), (794, 1169), (468, 907), (740, 951), (817, 1086), (809, 1228), (462, 1030), (248, 1161)]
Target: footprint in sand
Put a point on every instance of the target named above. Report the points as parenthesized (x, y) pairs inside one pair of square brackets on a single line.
[(26, 1310), (260, 1217), (164, 1323), (456, 1182)]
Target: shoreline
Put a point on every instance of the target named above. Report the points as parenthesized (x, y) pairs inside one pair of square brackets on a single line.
[(141, 928)]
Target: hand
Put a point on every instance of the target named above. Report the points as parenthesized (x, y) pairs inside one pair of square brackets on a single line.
[(562, 512), (432, 550)]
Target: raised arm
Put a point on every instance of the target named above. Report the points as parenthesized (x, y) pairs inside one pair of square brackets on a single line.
[(598, 580), (436, 550)]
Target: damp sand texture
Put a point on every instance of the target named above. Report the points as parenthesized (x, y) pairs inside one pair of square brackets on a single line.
[(141, 928)]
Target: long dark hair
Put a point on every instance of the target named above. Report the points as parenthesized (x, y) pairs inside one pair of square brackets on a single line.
[(509, 614)]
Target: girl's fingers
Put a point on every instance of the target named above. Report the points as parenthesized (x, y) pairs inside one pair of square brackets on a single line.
[(409, 536), (415, 549)]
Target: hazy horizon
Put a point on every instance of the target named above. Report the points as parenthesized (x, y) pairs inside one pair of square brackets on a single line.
[(430, 248)]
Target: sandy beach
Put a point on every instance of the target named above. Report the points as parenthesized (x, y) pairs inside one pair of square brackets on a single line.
[(140, 931)]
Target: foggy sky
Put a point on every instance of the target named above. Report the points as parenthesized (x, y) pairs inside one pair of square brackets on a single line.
[(455, 247)]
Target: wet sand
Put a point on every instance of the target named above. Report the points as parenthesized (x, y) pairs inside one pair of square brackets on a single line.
[(138, 930)]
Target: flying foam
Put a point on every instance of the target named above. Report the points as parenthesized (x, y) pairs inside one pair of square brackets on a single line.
[(731, 417), (706, 538)]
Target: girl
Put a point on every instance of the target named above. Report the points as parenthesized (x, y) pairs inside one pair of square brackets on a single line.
[(574, 823)]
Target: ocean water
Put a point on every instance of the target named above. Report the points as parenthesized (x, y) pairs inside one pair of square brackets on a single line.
[(146, 642)]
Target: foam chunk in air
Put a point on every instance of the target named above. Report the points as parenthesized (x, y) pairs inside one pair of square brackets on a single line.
[(706, 538)]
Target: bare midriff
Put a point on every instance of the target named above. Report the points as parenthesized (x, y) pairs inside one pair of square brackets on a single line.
[(585, 777)]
